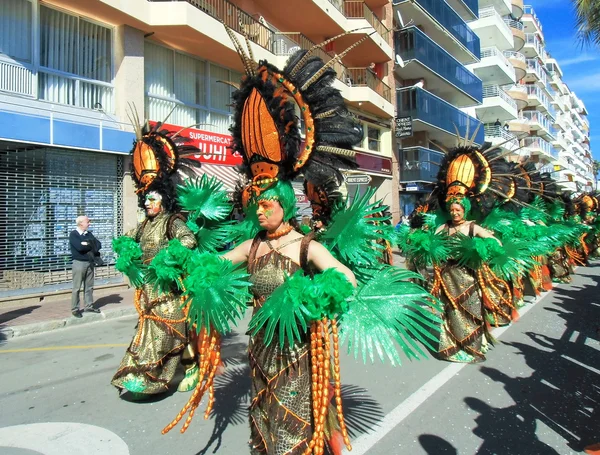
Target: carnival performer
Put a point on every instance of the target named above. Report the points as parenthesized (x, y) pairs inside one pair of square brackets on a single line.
[(161, 338), (463, 335), (307, 298), (281, 403)]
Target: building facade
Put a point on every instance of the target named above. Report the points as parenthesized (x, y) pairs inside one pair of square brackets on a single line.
[(71, 70), (433, 88)]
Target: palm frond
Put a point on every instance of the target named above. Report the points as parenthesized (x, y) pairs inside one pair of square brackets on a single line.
[(216, 291), (354, 230), (204, 198), (388, 310)]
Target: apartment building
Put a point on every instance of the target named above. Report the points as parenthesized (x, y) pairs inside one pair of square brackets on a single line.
[(71, 69), (527, 108), (433, 43)]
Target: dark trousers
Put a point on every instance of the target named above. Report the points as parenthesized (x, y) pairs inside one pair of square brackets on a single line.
[(83, 272)]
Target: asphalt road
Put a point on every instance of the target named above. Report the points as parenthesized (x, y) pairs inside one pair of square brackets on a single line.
[(538, 393)]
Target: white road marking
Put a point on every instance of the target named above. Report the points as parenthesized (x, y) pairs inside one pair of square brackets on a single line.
[(60, 438), (364, 443)]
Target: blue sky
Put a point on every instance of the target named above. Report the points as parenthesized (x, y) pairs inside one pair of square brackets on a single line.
[(580, 65)]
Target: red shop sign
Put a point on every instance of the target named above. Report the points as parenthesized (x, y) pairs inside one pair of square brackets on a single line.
[(214, 146)]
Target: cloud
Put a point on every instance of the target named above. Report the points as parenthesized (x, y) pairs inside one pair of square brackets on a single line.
[(576, 60), (585, 84)]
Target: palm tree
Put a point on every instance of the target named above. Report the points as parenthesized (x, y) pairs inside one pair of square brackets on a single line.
[(588, 20)]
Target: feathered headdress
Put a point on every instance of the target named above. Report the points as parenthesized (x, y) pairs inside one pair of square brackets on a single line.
[(266, 129), (161, 161)]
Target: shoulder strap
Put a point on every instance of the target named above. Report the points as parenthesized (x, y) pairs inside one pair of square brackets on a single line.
[(254, 248), (304, 250), (471, 228)]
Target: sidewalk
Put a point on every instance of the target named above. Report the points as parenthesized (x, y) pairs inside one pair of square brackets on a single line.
[(21, 319)]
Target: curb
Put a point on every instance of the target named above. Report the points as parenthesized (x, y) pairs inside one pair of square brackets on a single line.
[(6, 333)]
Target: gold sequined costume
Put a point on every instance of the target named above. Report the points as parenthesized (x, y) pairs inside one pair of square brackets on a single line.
[(281, 410), (469, 297), (154, 353), (560, 266)]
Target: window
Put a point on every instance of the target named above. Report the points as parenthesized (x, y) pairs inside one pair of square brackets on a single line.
[(373, 138), (16, 29), (189, 87), (75, 61)]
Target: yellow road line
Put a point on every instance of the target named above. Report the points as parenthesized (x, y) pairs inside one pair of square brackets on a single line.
[(58, 348)]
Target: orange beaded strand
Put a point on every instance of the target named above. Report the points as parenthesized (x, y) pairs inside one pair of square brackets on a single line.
[(337, 384)]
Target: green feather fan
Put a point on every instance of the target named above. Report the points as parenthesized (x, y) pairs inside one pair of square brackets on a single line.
[(389, 309), (426, 248), (216, 291), (167, 267), (354, 230), (299, 301), (536, 211), (130, 259), (204, 198)]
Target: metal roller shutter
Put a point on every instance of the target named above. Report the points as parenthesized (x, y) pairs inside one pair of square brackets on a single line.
[(42, 191)]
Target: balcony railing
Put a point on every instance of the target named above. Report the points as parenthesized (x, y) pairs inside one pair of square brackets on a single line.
[(413, 44), (490, 91), (540, 144), (364, 77), (513, 23), (532, 39), (419, 164), (452, 22), (495, 52), (490, 11), (428, 108), (529, 11), (235, 18), (539, 118), (358, 9), (515, 55), (534, 90), (533, 65), (288, 43), (499, 132)]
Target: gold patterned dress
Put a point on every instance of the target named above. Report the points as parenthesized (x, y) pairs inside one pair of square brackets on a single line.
[(469, 297), (281, 410), (152, 357)]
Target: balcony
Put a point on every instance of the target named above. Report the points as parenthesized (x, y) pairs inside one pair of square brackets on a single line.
[(492, 29), (419, 164), (443, 74), (497, 104), (494, 67), (467, 9), (500, 136), (519, 126), (518, 92), (442, 25), (359, 16), (531, 21), (518, 61), (436, 116), (559, 141), (536, 72), (534, 48), (516, 28), (365, 91), (359, 86), (539, 123), (536, 97), (538, 146)]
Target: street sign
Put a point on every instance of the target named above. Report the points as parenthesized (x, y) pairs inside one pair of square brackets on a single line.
[(412, 186), (357, 179), (404, 127)]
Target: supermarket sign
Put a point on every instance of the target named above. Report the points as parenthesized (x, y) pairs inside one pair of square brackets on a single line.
[(214, 147)]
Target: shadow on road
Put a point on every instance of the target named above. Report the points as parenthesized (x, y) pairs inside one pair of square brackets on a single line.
[(563, 392), (434, 445), (10, 315)]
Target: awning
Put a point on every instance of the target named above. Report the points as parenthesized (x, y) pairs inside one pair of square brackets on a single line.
[(226, 174)]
